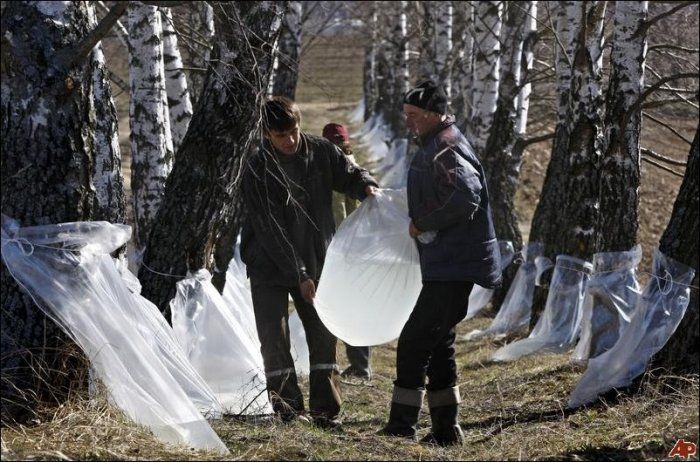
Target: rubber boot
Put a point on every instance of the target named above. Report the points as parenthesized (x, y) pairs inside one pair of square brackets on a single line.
[(403, 416), (444, 413)]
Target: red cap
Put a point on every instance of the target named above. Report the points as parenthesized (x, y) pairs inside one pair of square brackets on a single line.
[(336, 133)]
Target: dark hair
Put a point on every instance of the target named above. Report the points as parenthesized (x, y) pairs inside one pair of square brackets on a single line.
[(280, 114)]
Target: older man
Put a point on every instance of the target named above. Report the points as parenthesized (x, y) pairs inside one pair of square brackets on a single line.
[(448, 204)]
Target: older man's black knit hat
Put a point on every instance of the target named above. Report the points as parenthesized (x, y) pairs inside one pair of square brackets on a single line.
[(429, 96)]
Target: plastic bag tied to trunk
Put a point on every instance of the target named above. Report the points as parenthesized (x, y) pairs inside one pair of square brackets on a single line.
[(514, 314), (371, 278), (67, 270), (660, 309), (611, 297), (218, 346), (558, 327), (481, 296)]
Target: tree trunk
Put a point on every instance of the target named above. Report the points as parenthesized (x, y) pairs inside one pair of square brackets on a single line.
[(202, 196), (463, 66), (110, 200), (151, 142), (680, 242), (369, 76), (487, 30), (619, 170), (179, 102), (578, 225), (47, 172), (288, 53), (443, 46), (523, 102), (202, 27)]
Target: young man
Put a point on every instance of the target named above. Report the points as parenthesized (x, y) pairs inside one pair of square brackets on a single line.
[(287, 189), (358, 356), (448, 204)]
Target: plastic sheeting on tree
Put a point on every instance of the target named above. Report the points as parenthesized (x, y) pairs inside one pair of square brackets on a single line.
[(481, 296), (358, 113), (218, 346), (557, 329), (67, 270), (659, 311), (611, 296), (516, 309), (371, 278), (396, 165)]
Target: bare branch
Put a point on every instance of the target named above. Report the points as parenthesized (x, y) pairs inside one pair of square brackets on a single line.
[(662, 167), (664, 102), (123, 86), (69, 56), (122, 33), (657, 156), (666, 125), (523, 143), (675, 90), (661, 82), (673, 47), (650, 22)]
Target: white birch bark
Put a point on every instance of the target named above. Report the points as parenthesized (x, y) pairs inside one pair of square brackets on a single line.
[(286, 68), (179, 101), (107, 175), (370, 69), (528, 57), (487, 29), (151, 142), (443, 46), (403, 75), (568, 20)]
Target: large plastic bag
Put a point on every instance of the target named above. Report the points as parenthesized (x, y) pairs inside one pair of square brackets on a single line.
[(239, 300), (218, 346), (371, 278), (558, 327), (661, 307), (67, 270), (514, 314), (300, 348), (160, 336), (611, 296), (481, 296)]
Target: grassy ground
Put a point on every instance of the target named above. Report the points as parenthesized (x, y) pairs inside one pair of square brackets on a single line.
[(509, 411)]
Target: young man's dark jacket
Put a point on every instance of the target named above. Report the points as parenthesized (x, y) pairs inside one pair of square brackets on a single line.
[(447, 193), (289, 222)]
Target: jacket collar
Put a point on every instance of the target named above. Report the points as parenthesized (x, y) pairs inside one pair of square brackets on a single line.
[(423, 140)]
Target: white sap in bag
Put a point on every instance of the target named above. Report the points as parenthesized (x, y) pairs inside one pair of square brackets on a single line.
[(480, 296), (371, 278), (558, 327), (611, 296), (67, 270), (218, 346), (514, 314), (661, 308)]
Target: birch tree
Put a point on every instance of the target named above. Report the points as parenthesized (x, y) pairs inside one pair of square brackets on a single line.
[(46, 158), (463, 14), (369, 71), (568, 20), (528, 57), (288, 53), (487, 30), (202, 197), (680, 242), (110, 200), (151, 141), (179, 102)]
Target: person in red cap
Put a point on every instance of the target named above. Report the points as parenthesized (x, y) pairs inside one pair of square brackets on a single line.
[(344, 205)]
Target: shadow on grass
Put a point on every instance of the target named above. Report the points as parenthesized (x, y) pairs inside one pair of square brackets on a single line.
[(651, 451)]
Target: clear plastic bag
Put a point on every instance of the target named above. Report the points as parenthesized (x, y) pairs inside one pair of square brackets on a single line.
[(67, 270), (514, 314), (659, 311), (218, 346), (394, 167), (611, 296), (371, 278), (481, 296), (558, 327), (299, 346)]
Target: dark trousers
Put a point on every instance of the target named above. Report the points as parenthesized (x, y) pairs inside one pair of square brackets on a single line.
[(358, 357), (427, 342), (270, 304)]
